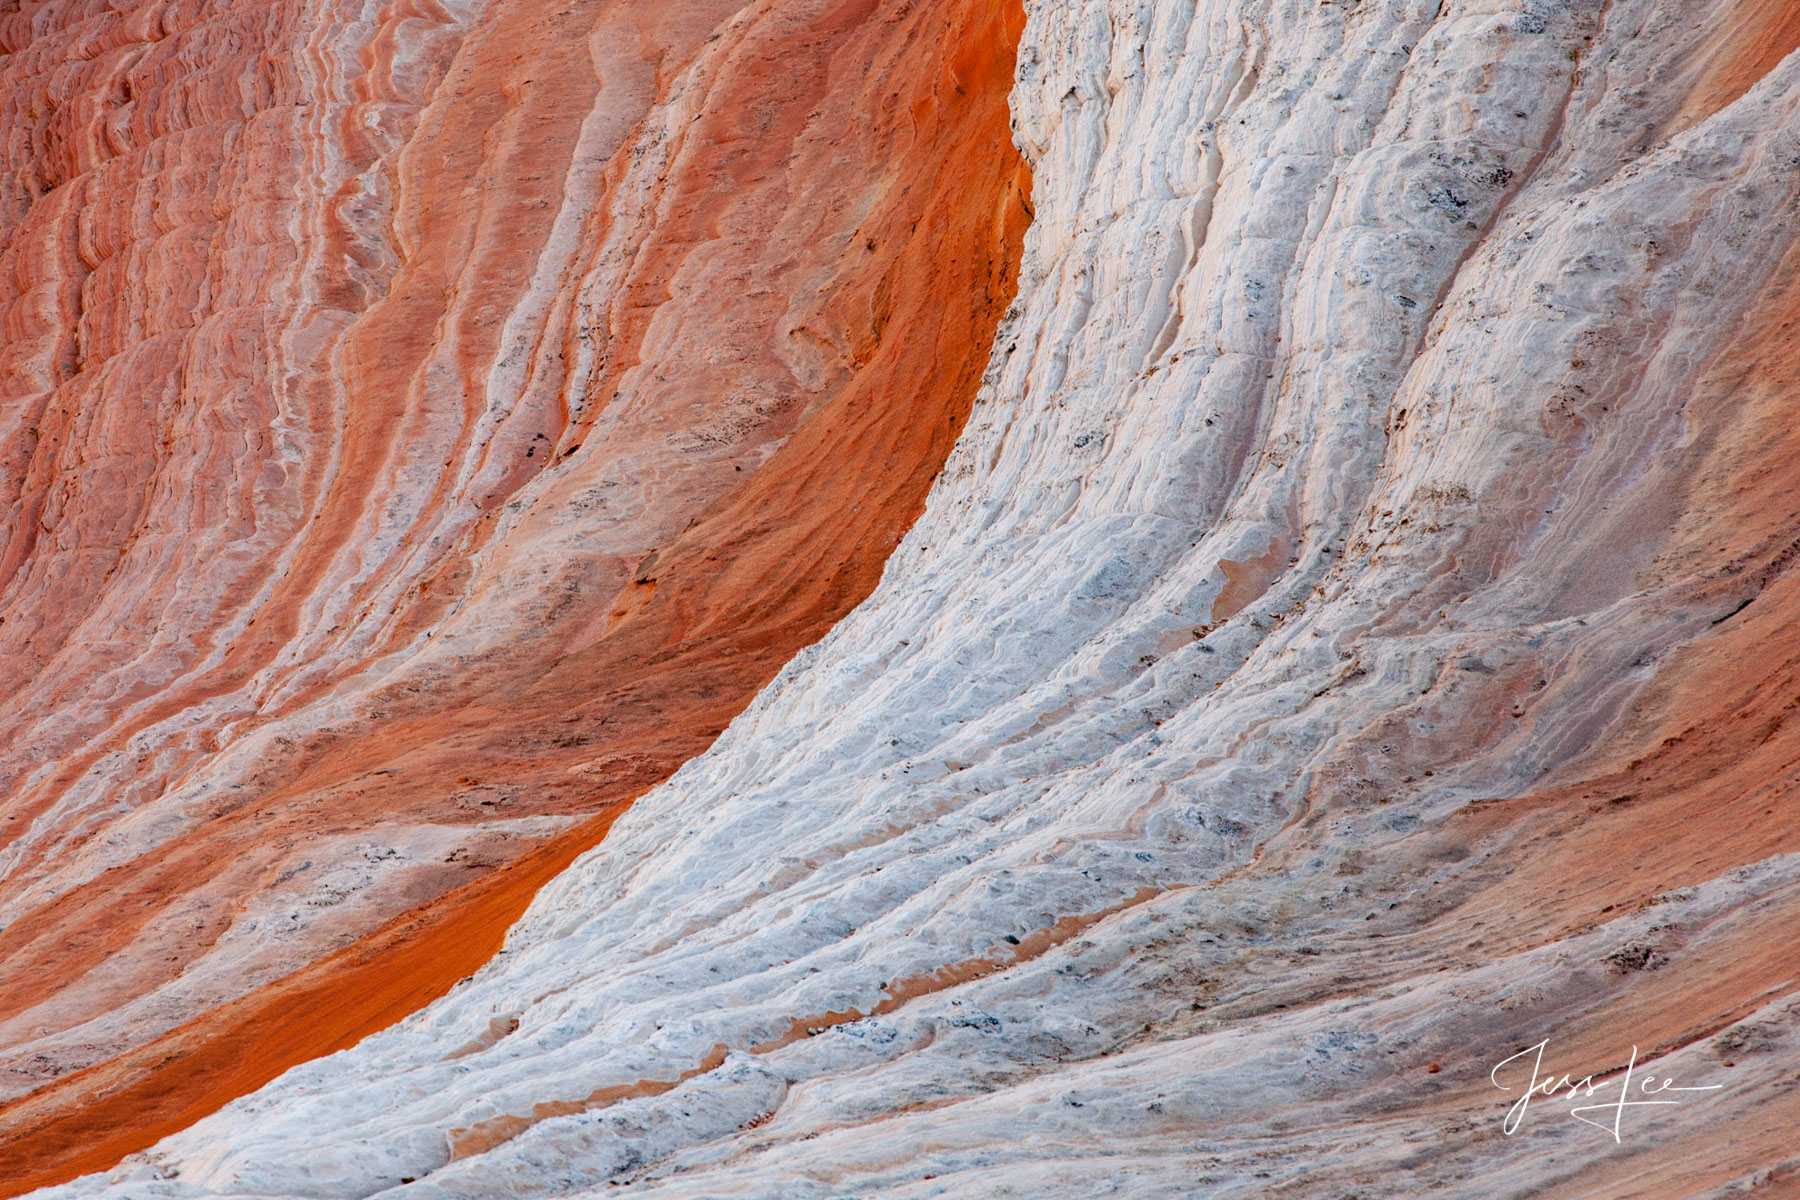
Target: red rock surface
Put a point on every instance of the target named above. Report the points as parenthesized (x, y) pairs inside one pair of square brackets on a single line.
[(417, 435)]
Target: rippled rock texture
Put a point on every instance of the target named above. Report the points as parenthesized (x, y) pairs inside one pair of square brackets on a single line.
[(1352, 641), (422, 427)]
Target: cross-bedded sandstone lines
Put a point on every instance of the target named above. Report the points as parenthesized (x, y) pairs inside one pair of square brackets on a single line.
[(422, 434)]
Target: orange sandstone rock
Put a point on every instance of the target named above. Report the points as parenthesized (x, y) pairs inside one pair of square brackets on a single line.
[(417, 437)]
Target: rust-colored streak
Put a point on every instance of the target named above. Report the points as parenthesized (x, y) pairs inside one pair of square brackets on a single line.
[(847, 260), (485, 1135)]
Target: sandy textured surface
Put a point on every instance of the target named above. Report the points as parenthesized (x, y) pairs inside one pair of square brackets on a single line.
[(1352, 641), (420, 428)]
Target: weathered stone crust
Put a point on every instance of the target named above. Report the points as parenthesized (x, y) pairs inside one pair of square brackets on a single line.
[(421, 428), (1352, 641)]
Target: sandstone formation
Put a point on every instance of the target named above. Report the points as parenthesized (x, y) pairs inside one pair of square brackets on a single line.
[(1352, 641), (424, 427)]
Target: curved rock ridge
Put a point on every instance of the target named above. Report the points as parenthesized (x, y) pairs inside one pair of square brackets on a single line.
[(1352, 642), (424, 426)]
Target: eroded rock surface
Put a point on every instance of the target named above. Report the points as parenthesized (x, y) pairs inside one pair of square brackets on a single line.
[(421, 427), (1353, 640)]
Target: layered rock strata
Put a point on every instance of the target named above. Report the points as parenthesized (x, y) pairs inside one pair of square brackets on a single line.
[(1351, 643), (422, 427)]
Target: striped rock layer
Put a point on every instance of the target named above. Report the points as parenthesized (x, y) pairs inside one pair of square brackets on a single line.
[(1353, 641), (422, 427)]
